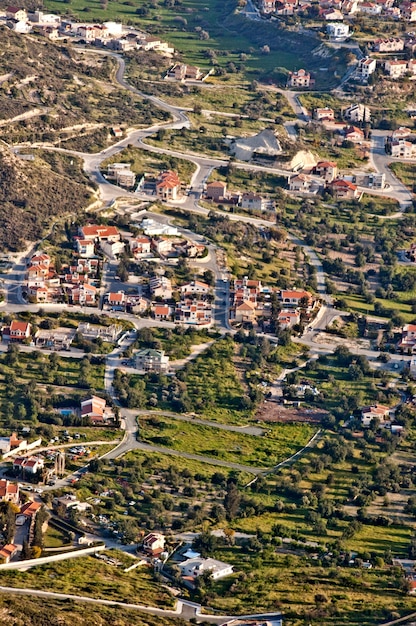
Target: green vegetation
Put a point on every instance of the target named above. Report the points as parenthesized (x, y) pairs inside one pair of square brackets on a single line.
[(91, 577), (32, 611), (345, 382), (229, 35), (270, 258), (279, 442), (207, 134), (34, 383), (177, 342), (406, 172)]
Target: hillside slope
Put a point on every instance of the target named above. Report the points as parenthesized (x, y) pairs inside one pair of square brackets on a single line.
[(32, 195)]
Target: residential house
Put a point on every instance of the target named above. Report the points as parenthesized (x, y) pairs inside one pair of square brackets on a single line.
[(288, 318), (195, 567), (395, 69), (152, 228), (349, 7), (116, 300), (195, 287), (408, 340), (250, 200), (140, 246), (344, 190), (96, 411), (402, 148), (19, 331), (82, 294), (352, 133), (40, 259), (55, 338), (182, 72), (299, 78), (94, 232), (94, 331), (7, 444), (327, 170), (295, 297), (162, 245), (408, 11), (331, 15), (300, 183), (357, 113), (29, 465), (161, 312), (168, 186), (337, 30), (401, 133), (245, 312), (379, 411), (366, 67), (85, 248), (393, 44), (216, 191), (161, 287), (7, 552), (154, 543), (370, 8), (112, 249), (9, 492), (126, 178), (114, 169), (267, 6), (197, 312), (149, 360), (16, 13), (323, 114)]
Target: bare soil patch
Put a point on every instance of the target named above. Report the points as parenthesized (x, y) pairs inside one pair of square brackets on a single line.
[(273, 412)]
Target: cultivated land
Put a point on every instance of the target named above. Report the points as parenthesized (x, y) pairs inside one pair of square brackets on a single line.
[(318, 537)]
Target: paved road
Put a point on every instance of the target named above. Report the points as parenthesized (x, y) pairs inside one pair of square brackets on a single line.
[(380, 161), (184, 609)]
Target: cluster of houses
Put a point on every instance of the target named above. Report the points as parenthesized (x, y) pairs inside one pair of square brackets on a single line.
[(26, 515), (251, 301), (193, 308), (75, 283), (394, 68), (325, 175), (216, 191), (165, 186), (338, 10), (112, 35)]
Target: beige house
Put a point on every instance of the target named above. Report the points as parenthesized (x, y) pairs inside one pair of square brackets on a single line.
[(327, 170), (395, 69), (216, 191), (300, 78), (245, 312)]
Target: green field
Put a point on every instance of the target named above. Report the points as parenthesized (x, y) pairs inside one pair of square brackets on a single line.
[(282, 440), (215, 33), (91, 577)]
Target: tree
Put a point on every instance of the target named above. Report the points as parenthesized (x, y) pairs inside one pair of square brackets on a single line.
[(232, 501)]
